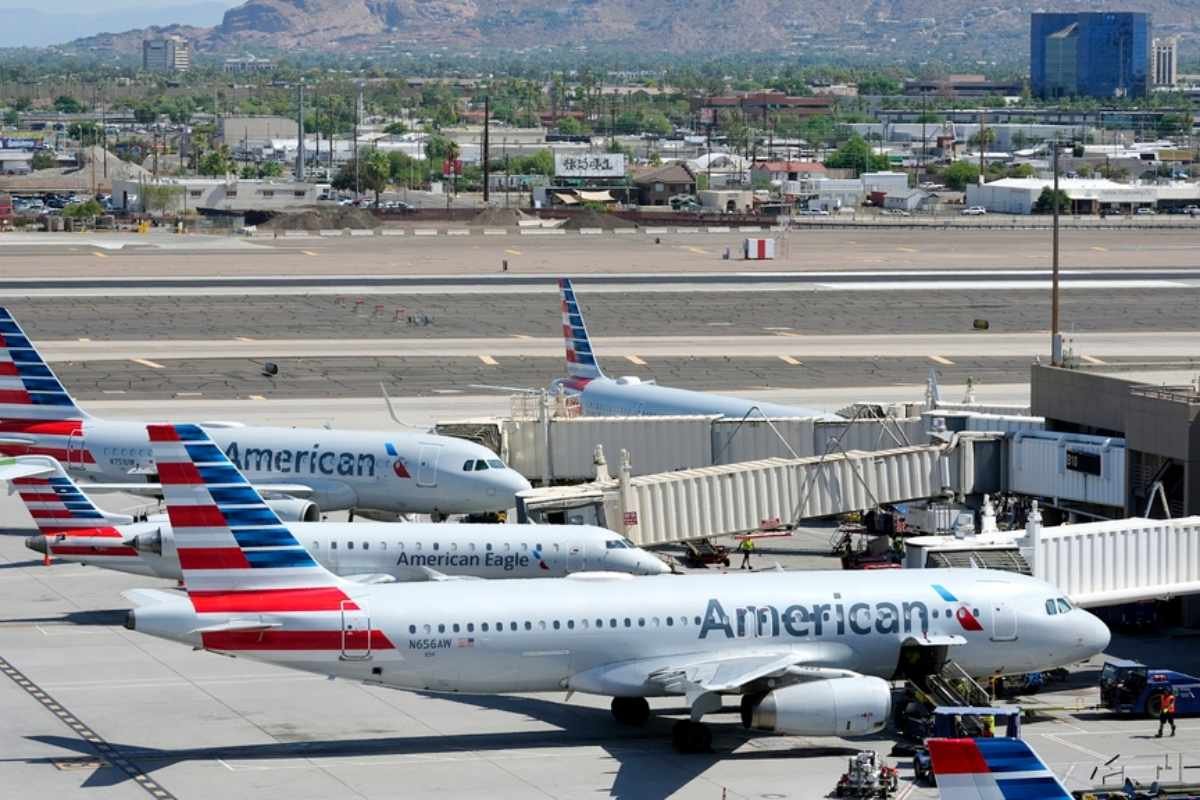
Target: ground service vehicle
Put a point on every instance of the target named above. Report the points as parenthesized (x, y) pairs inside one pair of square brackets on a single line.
[(1130, 687)]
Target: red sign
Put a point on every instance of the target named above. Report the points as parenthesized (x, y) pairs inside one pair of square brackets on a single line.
[(630, 518), (450, 168)]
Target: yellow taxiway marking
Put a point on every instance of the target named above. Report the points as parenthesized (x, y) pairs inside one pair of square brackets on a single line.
[(491, 362), (907, 249), (635, 360), (145, 362), (1094, 360), (513, 252), (941, 360), (698, 250), (257, 397), (789, 361), (308, 253), (83, 339), (98, 254), (243, 339)]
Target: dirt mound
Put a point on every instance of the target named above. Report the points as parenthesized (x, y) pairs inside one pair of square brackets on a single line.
[(499, 218), (590, 218), (315, 219)]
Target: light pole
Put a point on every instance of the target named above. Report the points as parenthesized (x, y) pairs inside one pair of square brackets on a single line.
[(1055, 337)]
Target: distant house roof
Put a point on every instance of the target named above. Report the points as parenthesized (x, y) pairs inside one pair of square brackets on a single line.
[(671, 173), (810, 167)]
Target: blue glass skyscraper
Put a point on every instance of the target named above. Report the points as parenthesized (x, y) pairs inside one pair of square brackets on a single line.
[(1093, 54)]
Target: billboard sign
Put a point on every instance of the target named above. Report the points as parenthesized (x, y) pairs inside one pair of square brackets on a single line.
[(590, 165)]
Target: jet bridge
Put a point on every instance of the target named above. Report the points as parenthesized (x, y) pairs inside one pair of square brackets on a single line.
[(728, 499)]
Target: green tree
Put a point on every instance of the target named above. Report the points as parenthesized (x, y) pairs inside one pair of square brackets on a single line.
[(570, 126), (437, 148), (160, 198), (1045, 202), (657, 123), (216, 162), (86, 133), (66, 104), (395, 128), (270, 169), (89, 209), (12, 117), (376, 169), (987, 135), (961, 174), (43, 159), (857, 155)]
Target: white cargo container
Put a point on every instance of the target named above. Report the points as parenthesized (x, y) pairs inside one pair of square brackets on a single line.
[(1083, 469)]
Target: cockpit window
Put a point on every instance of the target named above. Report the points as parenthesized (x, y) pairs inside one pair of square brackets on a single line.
[(616, 544), (495, 463), (1063, 605), (470, 465), (1050, 608), (480, 464)]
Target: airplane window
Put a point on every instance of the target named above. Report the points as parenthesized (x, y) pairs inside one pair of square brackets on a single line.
[(412, 628), (628, 543), (488, 547), (583, 623), (512, 626), (541, 624), (495, 463), (349, 545), (613, 544), (570, 624), (948, 613), (641, 622), (539, 546), (472, 546), (935, 613), (483, 627), (1051, 609), (366, 545), (612, 623), (670, 622), (528, 625), (628, 622), (456, 627), (507, 547), (454, 547), (524, 547), (333, 545), (1063, 605), (556, 547), (470, 627), (480, 465), (436, 545), (697, 621), (556, 625), (417, 547), (315, 546), (470, 465), (428, 629), (441, 628), (975, 612)]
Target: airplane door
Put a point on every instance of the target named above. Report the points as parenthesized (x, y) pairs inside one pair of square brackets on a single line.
[(427, 458), (1004, 623), (75, 450), (576, 561), (356, 632)]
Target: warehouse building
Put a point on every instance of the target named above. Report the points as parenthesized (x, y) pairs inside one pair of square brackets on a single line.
[(1087, 195)]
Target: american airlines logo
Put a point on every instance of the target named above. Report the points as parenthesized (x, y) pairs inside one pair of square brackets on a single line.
[(311, 461), (827, 619)]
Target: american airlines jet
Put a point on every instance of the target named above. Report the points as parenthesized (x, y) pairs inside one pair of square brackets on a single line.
[(602, 396), (808, 653), (379, 474), (72, 528)]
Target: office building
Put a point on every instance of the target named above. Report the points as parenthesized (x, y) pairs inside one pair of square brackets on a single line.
[(166, 54), (1166, 68), (1092, 54)]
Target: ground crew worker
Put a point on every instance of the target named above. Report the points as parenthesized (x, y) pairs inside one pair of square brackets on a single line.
[(1167, 713), (746, 548)]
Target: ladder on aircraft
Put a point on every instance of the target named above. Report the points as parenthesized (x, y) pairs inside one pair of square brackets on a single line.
[(952, 686)]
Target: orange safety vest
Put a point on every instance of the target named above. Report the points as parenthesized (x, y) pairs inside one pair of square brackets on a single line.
[(1168, 704)]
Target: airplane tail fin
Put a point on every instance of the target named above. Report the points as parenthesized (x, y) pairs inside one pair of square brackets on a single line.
[(581, 361), (971, 769), (234, 551), (29, 389), (58, 506)]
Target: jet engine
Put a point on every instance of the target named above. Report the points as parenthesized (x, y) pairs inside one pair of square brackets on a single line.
[(833, 707), (291, 509)]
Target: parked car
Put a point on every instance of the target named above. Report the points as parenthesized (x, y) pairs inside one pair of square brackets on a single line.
[(1145, 211), (973, 211)]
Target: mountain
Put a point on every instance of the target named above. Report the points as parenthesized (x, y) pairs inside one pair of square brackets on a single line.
[(858, 30), (33, 27)]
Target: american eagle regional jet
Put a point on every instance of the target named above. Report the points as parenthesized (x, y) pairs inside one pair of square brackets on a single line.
[(304, 470), (72, 528), (807, 653)]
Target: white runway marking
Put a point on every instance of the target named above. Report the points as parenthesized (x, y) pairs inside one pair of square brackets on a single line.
[(145, 362)]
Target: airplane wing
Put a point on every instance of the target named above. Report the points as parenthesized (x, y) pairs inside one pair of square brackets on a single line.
[(371, 578), (983, 769), (732, 672)]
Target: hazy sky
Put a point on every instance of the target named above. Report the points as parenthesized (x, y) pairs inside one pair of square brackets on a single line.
[(93, 7)]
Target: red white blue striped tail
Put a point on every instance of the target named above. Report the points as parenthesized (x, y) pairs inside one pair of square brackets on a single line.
[(55, 503), (29, 389), (992, 769), (581, 361)]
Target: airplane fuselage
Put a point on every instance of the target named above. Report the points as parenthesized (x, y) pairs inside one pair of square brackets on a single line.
[(395, 472), (608, 397), (605, 635)]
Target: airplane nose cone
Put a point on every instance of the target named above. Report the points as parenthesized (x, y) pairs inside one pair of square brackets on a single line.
[(36, 543), (515, 482), (1096, 636), (653, 565)]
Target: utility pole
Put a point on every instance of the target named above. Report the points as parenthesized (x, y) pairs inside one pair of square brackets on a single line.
[(982, 148), (487, 109), (300, 139), (924, 138), (1055, 337), (357, 106)]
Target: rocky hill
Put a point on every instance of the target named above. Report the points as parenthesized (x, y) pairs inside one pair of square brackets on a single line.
[(842, 29)]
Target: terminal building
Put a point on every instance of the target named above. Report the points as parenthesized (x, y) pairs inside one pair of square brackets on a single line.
[(1091, 54)]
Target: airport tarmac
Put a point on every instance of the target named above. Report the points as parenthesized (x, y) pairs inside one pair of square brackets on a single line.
[(162, 253)]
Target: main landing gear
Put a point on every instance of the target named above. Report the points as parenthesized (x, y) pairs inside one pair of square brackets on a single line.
[(688, 736)]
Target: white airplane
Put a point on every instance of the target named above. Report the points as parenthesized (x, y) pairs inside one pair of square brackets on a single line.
[(72, 528), (992, 769), (379, 474), (602, 396), (808, 653)]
